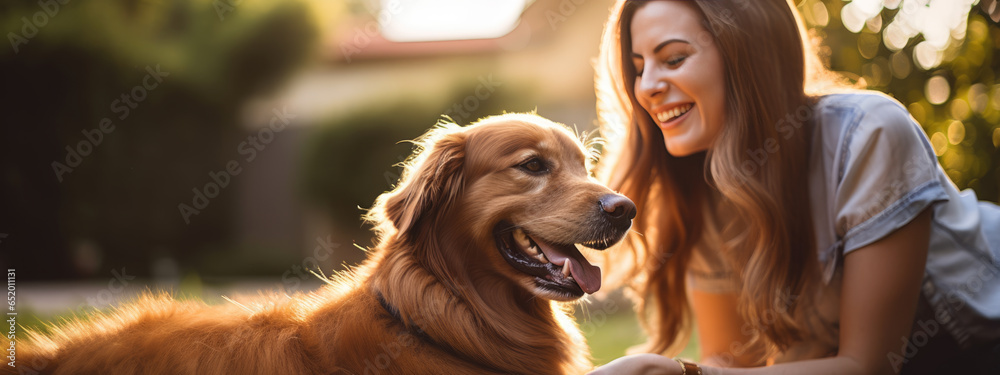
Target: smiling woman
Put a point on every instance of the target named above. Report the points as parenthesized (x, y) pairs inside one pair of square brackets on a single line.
[(714, 62), (810, 229), (676, 67)]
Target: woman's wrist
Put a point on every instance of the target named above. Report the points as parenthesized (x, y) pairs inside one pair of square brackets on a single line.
[(688, 368)]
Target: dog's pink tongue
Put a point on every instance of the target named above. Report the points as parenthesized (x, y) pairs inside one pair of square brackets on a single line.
[(587, 276)]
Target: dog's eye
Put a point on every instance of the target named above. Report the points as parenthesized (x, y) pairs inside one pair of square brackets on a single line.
[(534, 166)]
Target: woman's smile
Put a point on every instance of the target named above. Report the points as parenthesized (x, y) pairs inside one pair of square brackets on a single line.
[(672, 116)]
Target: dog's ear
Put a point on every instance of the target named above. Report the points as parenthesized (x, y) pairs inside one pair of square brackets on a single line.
[(430, 184)]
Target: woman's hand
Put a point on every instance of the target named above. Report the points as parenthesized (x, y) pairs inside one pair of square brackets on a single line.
[(640, 364)]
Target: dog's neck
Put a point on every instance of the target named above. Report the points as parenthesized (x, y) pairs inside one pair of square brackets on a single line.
[(449, 315)]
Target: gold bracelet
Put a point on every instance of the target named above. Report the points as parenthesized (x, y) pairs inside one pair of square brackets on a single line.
[(685, 366)]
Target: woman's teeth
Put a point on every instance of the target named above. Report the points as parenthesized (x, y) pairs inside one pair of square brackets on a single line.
[(673, 113)]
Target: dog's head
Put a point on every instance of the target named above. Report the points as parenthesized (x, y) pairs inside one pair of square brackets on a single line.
[(514, 194)]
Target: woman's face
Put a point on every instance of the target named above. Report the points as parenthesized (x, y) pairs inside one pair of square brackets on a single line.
[(680, 79)]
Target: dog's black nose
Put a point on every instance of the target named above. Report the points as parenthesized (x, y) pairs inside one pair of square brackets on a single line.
[(617, 207)]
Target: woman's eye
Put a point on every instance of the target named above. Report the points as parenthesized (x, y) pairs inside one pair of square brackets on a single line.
[(676, 60), (672, 62)]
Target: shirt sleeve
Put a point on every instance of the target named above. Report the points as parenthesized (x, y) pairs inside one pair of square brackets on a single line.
[(888, 173)]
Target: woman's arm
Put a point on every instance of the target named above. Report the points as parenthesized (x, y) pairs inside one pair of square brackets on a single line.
[(879, 296), (721, 330), (881, 287)]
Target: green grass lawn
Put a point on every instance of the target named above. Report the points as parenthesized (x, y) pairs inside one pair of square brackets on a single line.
[(616, 333)]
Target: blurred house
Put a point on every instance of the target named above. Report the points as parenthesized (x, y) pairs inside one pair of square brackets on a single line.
[(545, 62)]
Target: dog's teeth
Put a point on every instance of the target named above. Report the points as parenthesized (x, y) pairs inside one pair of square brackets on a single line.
[(522, 239), (532, 250), (541, 258), (565, 270)]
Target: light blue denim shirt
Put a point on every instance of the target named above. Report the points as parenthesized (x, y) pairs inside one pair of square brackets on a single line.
[(872, 170)]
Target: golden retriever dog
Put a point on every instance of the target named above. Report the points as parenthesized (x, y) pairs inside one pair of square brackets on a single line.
[(477, 252)]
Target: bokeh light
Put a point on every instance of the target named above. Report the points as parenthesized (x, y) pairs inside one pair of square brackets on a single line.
[(940, 143), (927, 56), (900, 65), (995, 97), (874, 24), (868, 44), (917, 111), (978, 97), (959, 109), (942, 23), (956, 132), (820, 15), (937, 90), (894, 37)]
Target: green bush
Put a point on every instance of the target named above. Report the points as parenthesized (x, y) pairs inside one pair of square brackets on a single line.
[(123, 197)]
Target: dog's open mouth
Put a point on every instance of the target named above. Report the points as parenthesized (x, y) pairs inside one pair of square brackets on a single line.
[(558, 267)]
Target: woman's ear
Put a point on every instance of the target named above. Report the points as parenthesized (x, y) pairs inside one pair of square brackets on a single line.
[(431, 184)]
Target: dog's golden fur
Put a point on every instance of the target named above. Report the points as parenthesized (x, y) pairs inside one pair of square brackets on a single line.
[(450, 304)]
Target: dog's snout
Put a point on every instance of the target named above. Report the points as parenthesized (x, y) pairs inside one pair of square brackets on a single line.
[(617, 207)]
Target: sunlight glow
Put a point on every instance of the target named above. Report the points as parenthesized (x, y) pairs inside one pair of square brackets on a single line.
[(437, 20)]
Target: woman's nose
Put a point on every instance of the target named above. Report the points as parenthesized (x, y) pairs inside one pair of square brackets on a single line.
[(649, 85)]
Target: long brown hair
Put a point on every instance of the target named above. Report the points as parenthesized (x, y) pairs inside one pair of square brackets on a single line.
[(764, 50)]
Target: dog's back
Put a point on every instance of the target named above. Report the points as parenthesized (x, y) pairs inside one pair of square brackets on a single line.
[(158, 335), (338, 329)]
